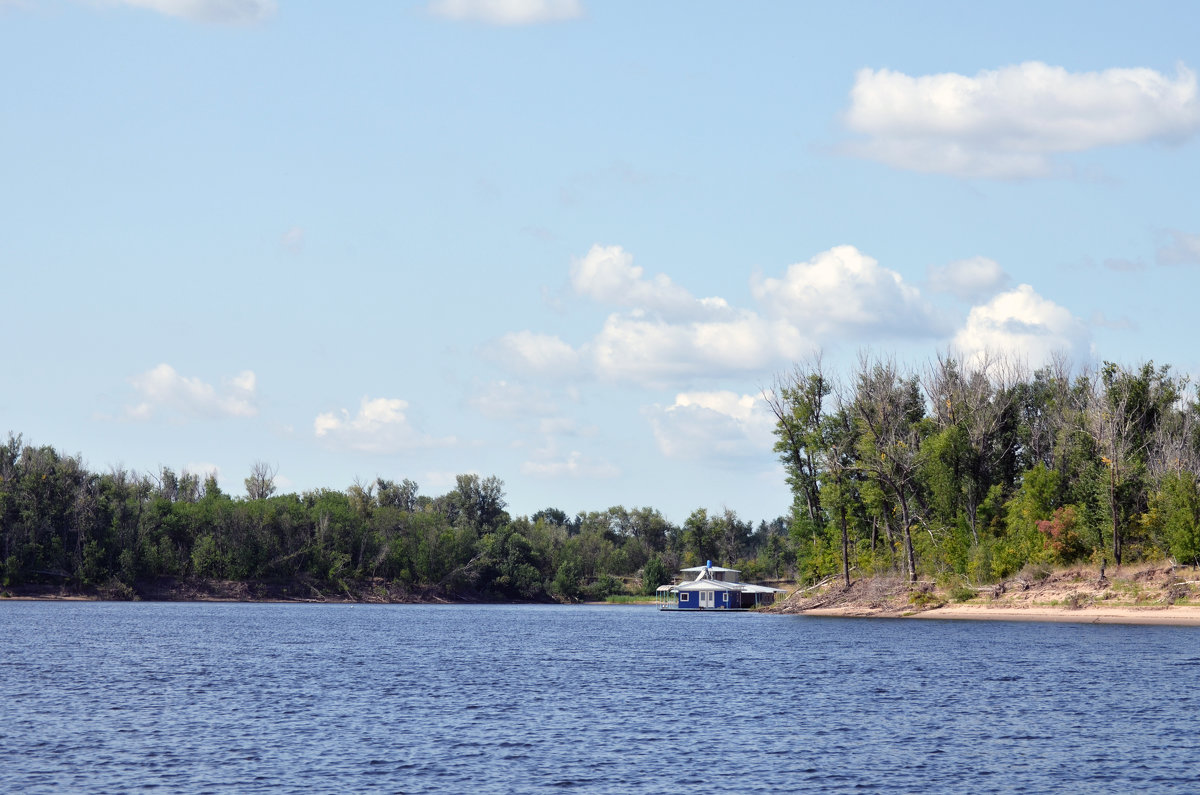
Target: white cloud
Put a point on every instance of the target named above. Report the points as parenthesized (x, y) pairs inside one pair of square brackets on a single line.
[(633, 347), (1010, 122), (663, 335), (442, 479), (163, 390), (608, 275), (222, 12), (972, 279), (718, 426), (380, 426), (501, 400), (844, 293), (203, 470), (530, 352), (1180, 249), (507, 12), (1022, 323), (549, 464)]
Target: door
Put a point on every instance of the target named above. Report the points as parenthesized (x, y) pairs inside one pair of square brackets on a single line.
[(706, 599)]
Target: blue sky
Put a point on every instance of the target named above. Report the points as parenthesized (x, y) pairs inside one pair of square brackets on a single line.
[(566, 242)]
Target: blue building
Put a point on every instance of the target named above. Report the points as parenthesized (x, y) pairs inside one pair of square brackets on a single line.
[(713, 588)]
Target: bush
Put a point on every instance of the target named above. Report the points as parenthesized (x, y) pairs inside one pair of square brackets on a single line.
[(603, 588), (962, 593), (1033, 572), (923, 597)]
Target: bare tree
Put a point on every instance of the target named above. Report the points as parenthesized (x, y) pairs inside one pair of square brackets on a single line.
[(797, 400), (261, 483), (978, 398), (888, 409), (1121, 410)]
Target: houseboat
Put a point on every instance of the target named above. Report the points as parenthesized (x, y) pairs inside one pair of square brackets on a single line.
[(712, 587)]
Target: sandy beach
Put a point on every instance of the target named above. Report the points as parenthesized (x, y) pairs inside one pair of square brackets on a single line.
[(1168, 616), (1145, 594)]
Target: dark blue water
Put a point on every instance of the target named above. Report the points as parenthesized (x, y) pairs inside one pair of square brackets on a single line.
[(243, 698)]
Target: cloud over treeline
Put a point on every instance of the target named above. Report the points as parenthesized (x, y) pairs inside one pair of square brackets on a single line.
[(1012, 122)]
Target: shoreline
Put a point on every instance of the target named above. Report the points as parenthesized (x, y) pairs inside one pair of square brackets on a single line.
[(1147, 593), (1146, 616), (1182, 616)]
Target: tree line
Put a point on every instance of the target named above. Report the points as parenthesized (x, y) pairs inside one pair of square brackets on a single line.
[(978, 468), (63, 523), (966, 469)]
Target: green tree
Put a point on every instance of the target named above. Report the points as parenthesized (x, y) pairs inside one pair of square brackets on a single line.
[(654, 574)]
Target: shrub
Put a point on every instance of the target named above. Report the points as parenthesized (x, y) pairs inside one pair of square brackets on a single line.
[(962, 593), (604, 587), (1033, 572), (923, 597), (1062, 540)]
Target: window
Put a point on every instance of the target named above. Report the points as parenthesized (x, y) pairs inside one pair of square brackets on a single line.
[(683, 597), (725, 598)]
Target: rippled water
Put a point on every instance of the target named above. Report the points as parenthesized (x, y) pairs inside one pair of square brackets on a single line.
[(495, 699)]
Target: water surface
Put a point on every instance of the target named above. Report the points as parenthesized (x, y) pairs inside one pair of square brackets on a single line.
[(117, 697)]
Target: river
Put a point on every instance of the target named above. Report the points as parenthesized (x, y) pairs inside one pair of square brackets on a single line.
[(225, 698)]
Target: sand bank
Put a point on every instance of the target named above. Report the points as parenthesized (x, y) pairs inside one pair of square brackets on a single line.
[(1168, 616)]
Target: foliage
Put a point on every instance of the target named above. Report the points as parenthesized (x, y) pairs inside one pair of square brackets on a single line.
[(970, 470), (962, 593), (1061, 539), (108, 532), (980, 469)]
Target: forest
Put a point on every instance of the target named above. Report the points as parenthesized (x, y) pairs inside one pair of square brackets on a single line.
[(114, 531), (975, 469), (956, 470)]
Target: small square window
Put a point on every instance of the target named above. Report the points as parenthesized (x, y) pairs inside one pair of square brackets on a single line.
[(683, 597)]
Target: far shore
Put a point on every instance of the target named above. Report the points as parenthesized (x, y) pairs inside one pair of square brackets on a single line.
[(1147, 594)]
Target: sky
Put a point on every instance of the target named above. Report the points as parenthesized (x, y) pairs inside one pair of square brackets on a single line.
[(567, 243)]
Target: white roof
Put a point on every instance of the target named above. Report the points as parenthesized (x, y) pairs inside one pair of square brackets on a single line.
[(711, 568), (709, 585), (718, 585), (748, 588)]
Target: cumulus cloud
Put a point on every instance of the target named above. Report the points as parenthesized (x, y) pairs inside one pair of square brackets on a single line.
[(663, 335), (608, 275), (218, 12), (654, 351), (1022, 323), (507, 12), (380, 426), (1179, 249), (1011, 122), (721, 426), (844, 293), (162, 390), (972, 279)]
